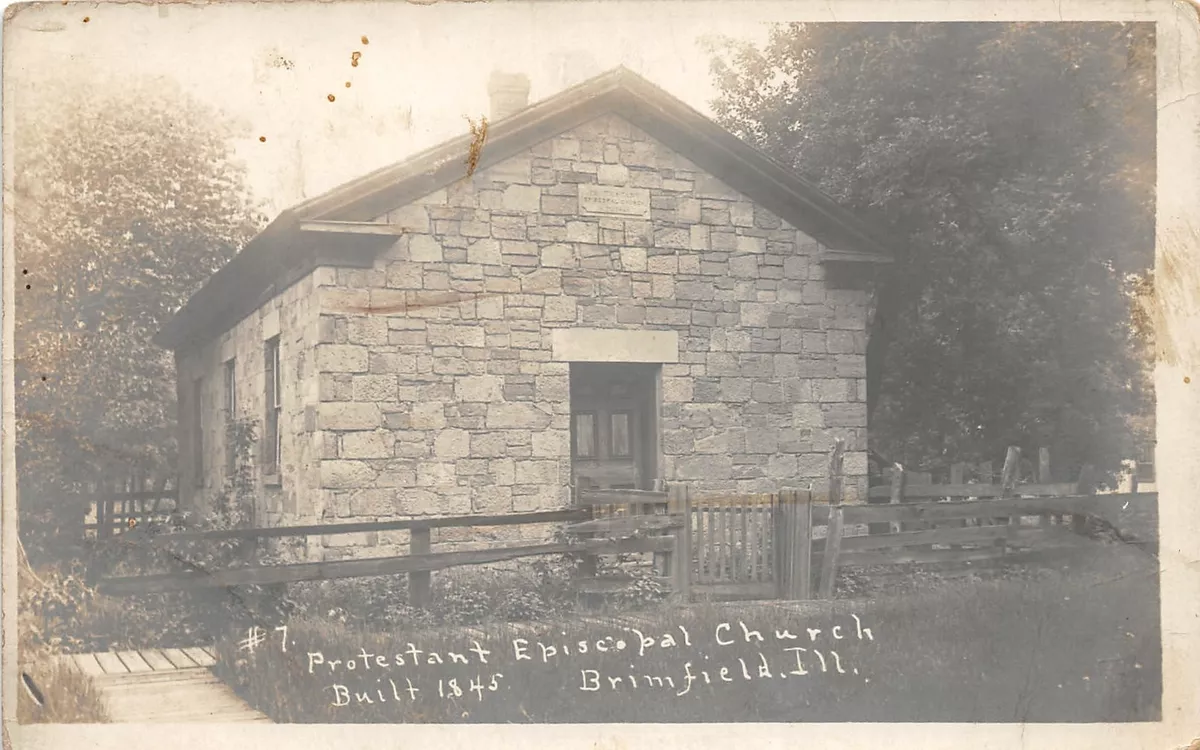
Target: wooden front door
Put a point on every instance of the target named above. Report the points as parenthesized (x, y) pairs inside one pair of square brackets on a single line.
[(613, 426)]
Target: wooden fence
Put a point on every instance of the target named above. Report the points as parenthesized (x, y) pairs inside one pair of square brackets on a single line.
[(761, 546), (116, 511)]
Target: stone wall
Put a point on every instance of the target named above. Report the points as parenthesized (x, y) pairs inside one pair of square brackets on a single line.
[(292, 315), (435, 406)]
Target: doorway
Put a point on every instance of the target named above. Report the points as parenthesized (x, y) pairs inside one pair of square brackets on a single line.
[(614, 425)]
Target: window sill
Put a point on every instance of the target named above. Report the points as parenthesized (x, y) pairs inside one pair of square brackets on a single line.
[(272, 480)]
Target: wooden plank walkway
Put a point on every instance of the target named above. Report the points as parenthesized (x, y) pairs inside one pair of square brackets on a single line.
[(163, 685)]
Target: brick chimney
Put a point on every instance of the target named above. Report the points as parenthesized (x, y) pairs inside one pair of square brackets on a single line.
[(509, 93)]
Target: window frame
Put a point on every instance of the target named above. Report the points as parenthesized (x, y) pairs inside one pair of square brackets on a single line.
[(197, 437), (595, 419), (229, 373), (273, 385), (612, 434)]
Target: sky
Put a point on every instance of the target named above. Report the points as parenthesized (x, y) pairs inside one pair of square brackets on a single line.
[(422, 69)]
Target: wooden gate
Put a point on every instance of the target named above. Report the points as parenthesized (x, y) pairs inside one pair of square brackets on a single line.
[(752, 546), (736, 553)]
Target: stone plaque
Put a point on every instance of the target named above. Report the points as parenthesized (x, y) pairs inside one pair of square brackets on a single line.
[(606, 200)]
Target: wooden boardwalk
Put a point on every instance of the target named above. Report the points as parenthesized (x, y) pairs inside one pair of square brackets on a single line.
[(163, 685)]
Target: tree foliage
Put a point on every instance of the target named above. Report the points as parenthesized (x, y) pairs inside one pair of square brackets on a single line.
[(127, 200), (1013, 166)]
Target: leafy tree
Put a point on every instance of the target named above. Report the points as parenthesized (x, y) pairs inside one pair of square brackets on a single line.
[(1013, 165), (127, 200)]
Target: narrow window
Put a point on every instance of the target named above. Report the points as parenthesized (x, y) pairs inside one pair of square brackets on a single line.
[(198, 431), (620, 435), (271, 436), (230, 417), (585, 435)]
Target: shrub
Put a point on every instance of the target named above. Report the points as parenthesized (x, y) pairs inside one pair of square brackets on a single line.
[(47, 603)]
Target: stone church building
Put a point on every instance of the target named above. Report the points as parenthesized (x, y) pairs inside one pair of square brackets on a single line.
[(603, 289)]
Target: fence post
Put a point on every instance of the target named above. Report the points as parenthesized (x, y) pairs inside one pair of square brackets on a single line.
[(1044, 477), (781, 527), (681, 556), (833, 539), (796, 568), (898, 481), (985, 473), (1008, 475), (419, 543), (829, 560), (102, 516), (958, 472), (1085, 486)]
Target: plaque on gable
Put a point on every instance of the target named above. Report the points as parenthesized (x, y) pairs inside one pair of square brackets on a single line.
[(614, 201)]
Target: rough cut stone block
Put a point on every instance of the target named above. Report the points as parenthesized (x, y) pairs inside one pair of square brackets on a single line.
[(341, 358), (478, 388), (552, 444), (703, 467), (559, 309), (503, 471), (485, 252), (339, 474), (741, 214), (428, 416), (832, 390), (527, 198), (565, 148), (374, 444), (744, 266), (846, 415), (436, 474), (537, 472), (755, 314), (672, 237), (373, 502), (492, 501), (751, 244), (544, 498), (452, 444), (583, 231), (558, 256), (612, 174), (369, 330), (340, 300), (517, 416), (374, 388), (348, 415), (633, 259), (423, 248)]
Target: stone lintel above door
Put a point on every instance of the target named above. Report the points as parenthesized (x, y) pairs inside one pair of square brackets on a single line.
[(614, 345)]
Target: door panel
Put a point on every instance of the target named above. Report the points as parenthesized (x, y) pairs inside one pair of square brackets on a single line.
[(611, 411)]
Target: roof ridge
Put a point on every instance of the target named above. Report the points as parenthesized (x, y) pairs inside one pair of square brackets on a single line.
[(280, 249)]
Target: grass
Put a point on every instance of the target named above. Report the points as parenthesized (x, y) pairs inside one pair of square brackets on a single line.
[(1078, 644), (50, 691), (67, 696)]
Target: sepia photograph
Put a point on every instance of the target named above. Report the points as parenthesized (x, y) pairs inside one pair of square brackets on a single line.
[(458, 365)]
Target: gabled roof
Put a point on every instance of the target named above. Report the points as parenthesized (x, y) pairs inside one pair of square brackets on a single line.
[(287, 249)]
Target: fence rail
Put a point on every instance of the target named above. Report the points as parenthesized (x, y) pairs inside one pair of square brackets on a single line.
[(731, 546)]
